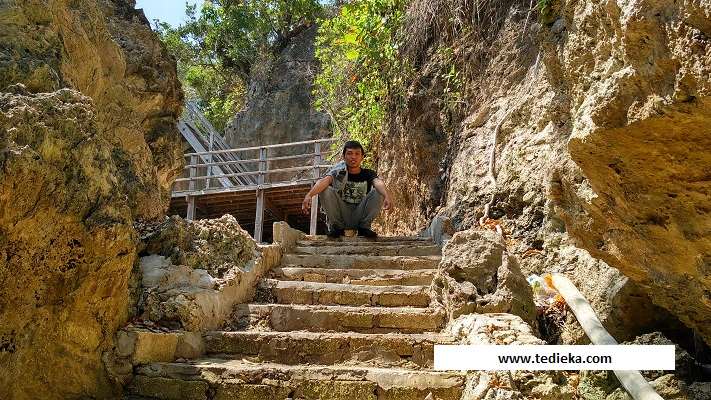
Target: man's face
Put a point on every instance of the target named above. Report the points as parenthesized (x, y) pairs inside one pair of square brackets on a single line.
[(353, 158)]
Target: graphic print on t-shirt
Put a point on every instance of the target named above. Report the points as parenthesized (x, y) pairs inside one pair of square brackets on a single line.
[(354, 192)]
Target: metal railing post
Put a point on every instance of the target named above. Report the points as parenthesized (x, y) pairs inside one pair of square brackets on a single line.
[(209, 161), (259, 218), (191, 188), (314, 200)]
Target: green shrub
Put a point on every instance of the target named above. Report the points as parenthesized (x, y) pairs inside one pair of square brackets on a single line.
[(360, 69), (220, 43)]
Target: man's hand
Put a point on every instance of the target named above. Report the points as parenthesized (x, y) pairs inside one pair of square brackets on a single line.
[(306, 205), (387, 203), (379, 185)]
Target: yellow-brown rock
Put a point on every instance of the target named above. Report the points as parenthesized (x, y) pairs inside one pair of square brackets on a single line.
[(106, 50), (87, 145), (67, 247), (598, 115), (642, 137)]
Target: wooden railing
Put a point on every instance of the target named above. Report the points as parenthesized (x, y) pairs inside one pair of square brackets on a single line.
[(262, 171), (204, 138)]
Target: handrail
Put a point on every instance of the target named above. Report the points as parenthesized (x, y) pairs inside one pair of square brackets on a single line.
[(265, 172), (184, 193), (260, 180), (270, 146), (204, 139), (250, 161)]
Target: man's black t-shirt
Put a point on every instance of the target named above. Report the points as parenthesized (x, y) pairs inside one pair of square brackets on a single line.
[(358, 186)]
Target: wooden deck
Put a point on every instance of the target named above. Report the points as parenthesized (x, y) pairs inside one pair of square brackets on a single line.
[(281, 203), (271, 189)]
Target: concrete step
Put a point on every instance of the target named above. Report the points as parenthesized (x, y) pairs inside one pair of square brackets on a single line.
[(375, 249), (328, 348), (320, 318), (296, 292), (375, 277), (237, 379), (360, 261)]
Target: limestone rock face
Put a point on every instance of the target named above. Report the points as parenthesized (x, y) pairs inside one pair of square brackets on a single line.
[(508, 330), (66, 244), (678, 384), (601, 115), (192, 271), (278, 107), (88, 104), (214, 245), (492, 329), (477, 275), (106, 50), (642, 137)]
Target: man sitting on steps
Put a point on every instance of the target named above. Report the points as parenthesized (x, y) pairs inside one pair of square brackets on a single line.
[(346, 194)]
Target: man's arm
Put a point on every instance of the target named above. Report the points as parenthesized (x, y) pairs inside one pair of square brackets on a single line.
[(319, 187), (379, 185)]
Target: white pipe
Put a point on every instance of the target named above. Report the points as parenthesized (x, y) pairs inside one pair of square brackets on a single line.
[(632, 381)]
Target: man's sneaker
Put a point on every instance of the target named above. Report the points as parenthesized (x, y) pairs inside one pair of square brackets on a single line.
[(365, 232), (335, 233)]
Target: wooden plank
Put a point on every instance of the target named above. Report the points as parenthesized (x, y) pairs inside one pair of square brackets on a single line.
[(283, 204), (246, 197), (229, 195), (295, 196), (273, 210), (249, 201), (273, 207), (280, 185), (290, 206), (233, 206), (274, 194), (242, 218)]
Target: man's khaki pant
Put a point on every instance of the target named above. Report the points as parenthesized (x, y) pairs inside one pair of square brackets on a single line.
[(350, 216)]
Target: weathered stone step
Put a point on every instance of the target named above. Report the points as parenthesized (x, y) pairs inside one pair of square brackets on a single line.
[(322, 239), (360, 261), (364, 243), (391, 250), (240, 380), (375, 277), (319, 318), (411, 350), (296, 292)]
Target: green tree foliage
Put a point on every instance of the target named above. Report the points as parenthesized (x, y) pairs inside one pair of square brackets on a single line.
[(220, 43), (360, 67)]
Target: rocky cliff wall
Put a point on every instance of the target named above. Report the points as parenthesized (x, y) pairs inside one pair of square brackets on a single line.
[(596, 113), (88, 104), (279, 106)]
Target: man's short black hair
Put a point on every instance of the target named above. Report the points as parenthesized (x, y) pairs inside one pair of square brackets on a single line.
[(353, 144)]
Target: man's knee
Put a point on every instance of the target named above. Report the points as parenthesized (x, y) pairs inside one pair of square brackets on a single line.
[(329, 200), (329, 192), (329, 197)]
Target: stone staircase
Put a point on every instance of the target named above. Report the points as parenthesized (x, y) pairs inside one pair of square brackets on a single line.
[(346, 319)]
